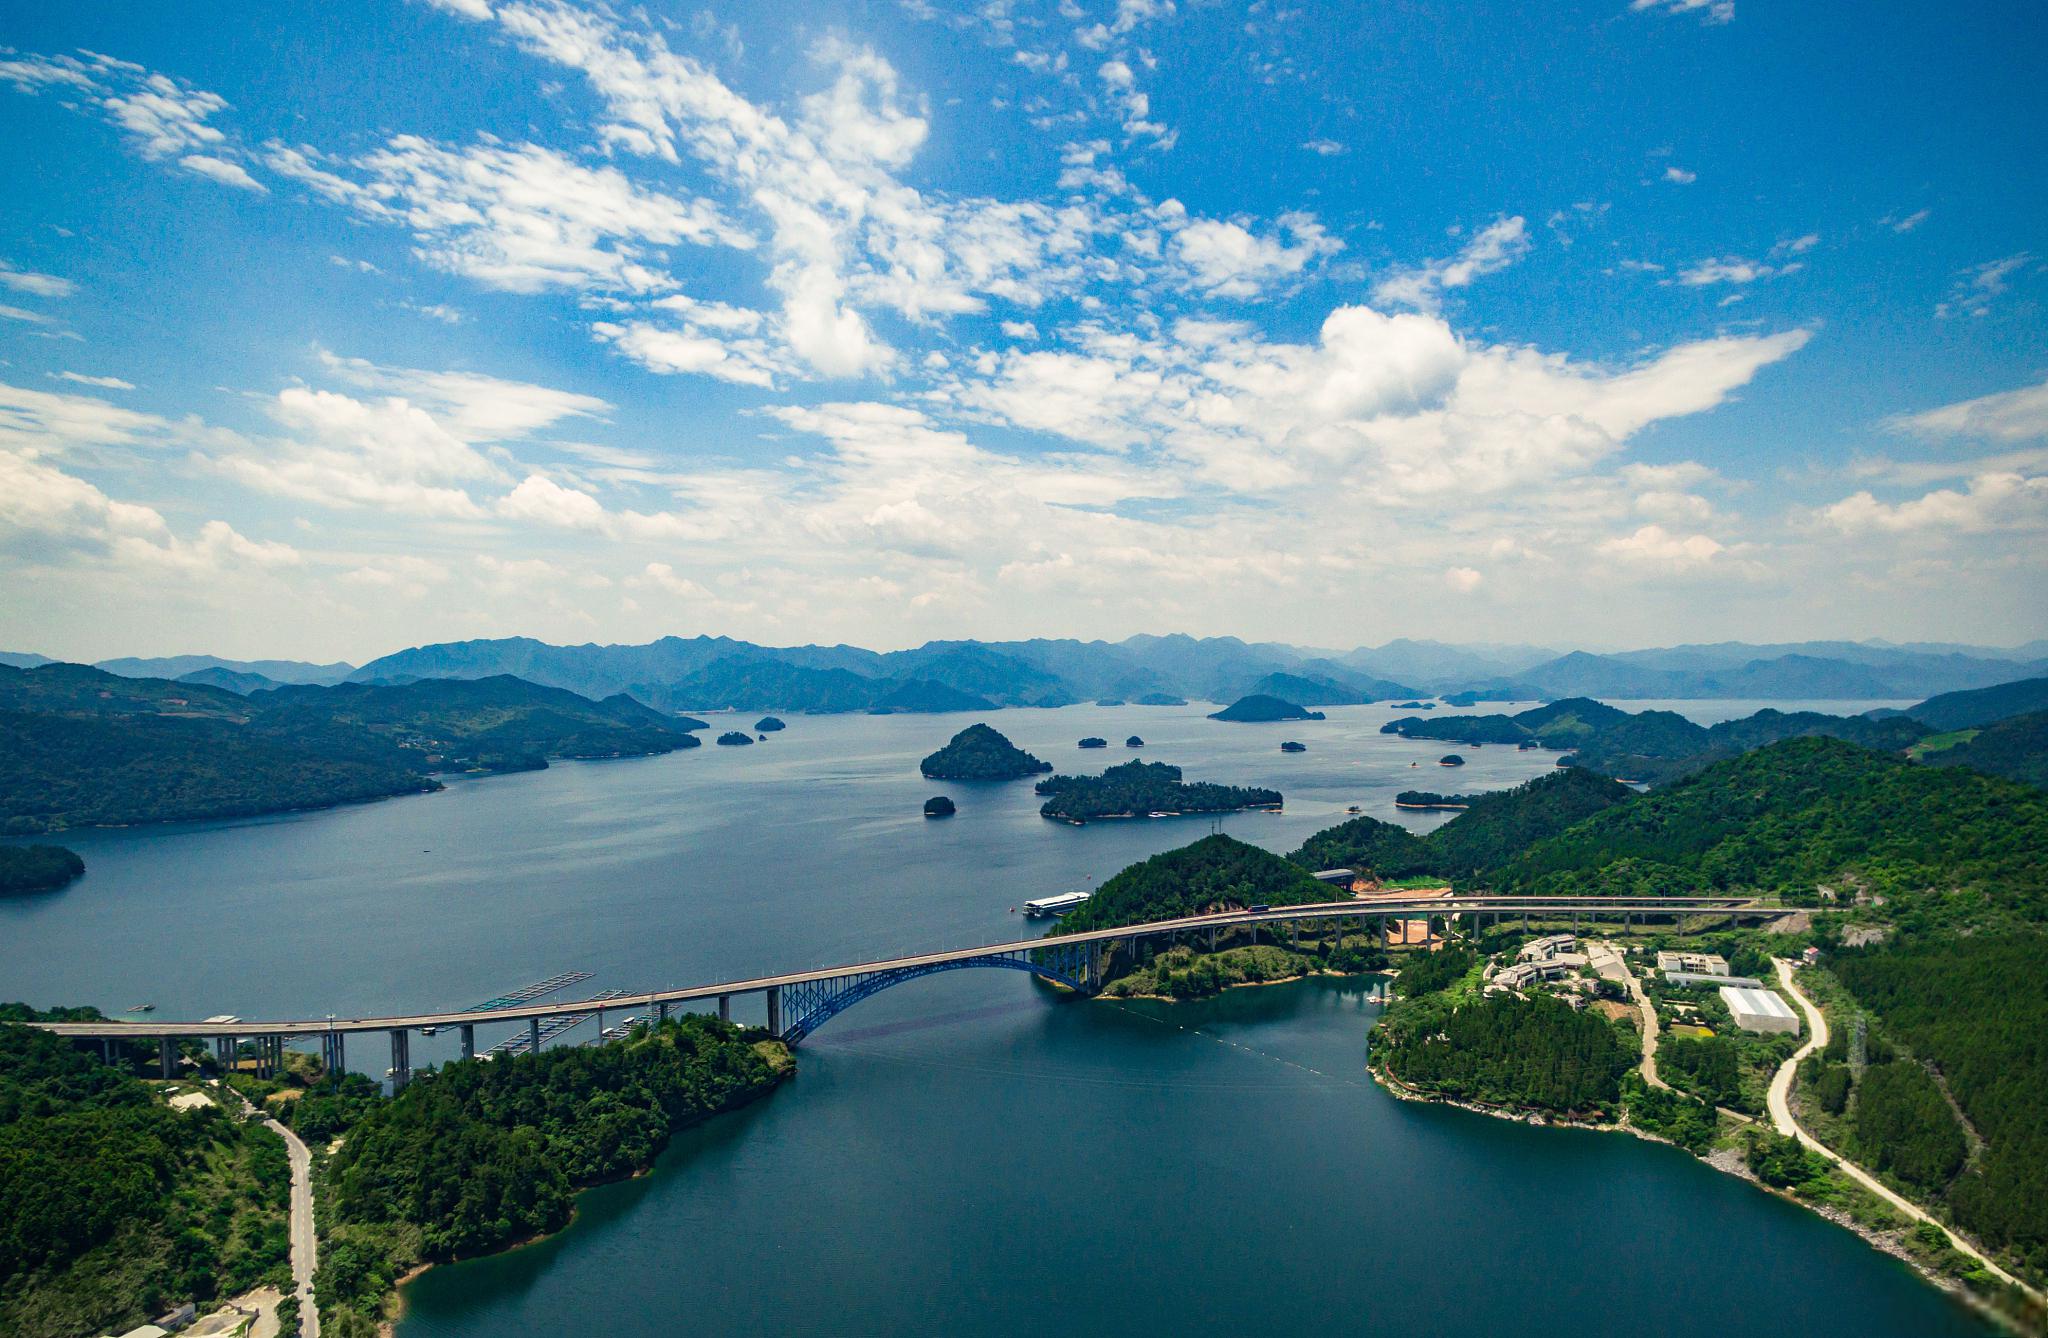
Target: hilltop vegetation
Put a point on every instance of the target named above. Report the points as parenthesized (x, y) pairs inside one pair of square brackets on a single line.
[(1982, 706), (2016, 749), (980, 753), (1215, 873), (1137, 788), (1527, 1054), (1944, 842), (1493, 829), (1259, 708), (37, 868), (1654, 746), (113, 1206), (80, 748)]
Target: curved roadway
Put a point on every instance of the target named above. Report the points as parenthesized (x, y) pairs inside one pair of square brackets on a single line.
[(1780, 1101)]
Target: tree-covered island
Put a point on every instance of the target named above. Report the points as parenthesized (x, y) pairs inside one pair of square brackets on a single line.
[(979, 752), (1140, 789)]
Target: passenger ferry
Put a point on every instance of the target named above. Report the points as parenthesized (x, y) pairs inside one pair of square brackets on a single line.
[(1058, 905)]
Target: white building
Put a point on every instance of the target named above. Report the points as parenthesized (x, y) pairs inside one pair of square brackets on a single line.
[(1698, 963), (1759, 1010)]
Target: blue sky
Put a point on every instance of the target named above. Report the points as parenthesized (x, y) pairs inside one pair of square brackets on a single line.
[(328, 331)]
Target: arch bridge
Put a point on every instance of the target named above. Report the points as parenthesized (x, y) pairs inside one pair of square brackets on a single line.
[(798, 1003)]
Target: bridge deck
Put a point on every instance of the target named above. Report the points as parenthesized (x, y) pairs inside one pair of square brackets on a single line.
[(1334, 910)]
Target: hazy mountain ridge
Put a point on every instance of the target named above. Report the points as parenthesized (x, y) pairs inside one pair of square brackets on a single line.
[(717, 672)]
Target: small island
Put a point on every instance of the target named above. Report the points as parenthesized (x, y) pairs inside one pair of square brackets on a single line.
[(980, 753), (1144, 789), (1260, 708), (1414, 706), (733, 738), (1429, 799), (1293, 746), (1109, 701), (1447, 760), (939, 806), (37, 868), (1134, 742), (1159, 699), (1092, 742), (768, 724)]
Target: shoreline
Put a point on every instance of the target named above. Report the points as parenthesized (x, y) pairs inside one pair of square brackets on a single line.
[(394, 1302)]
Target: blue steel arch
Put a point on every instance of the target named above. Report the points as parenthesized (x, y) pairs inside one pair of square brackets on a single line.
[(812, 1003)]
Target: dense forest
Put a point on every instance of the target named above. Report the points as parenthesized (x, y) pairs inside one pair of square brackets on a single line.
[(1976, 1008), (37, 868), (1137, 788), (980, 752), (82, 748), (115, 1207), (1534, 1053), (1493, 829), (1944, 843), (484, 1155)]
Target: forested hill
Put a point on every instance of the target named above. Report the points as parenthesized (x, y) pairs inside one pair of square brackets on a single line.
[(79, 747), (2016, 749), (1982, 706), (1654, 746), (1494, 828), (1942, 843), (1215, 873)]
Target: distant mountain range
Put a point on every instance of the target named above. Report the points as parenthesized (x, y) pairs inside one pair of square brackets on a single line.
[(714, 673)]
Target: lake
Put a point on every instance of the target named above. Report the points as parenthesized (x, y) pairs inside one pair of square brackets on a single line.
[(962, 1154)]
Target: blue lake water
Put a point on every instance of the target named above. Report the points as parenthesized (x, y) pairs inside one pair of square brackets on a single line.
[(961, 1154)]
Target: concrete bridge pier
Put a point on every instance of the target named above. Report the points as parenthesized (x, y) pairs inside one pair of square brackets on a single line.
[(661, 1012), (533, 1035), (469, 1040), (167, 1056), (775, 1011), (401, 1059), (725, 1008), (331, 1051), (224, 1052)]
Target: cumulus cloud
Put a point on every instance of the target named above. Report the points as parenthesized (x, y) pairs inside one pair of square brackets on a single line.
[(1989, 503), (1228, 260), (160, 117), (1657, 548)]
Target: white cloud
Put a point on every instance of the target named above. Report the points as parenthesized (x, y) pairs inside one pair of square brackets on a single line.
[(1678, 176), (1463, 579), (223, 171), (1228, 260), (34, 284), (1328, 148), (1907, 223), (2009, 415), (103, 382), (1978, 286), (1733, 269), (1655, 547), (1710, 11), (692, 350), (1990, 503), (1493, 248), (520, 218)]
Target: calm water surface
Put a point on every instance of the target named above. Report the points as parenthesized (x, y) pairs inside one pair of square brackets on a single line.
[(961, 1154)]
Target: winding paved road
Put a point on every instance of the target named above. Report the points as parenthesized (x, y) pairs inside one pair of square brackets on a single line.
[(305, 1242), (1781, 1116)]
